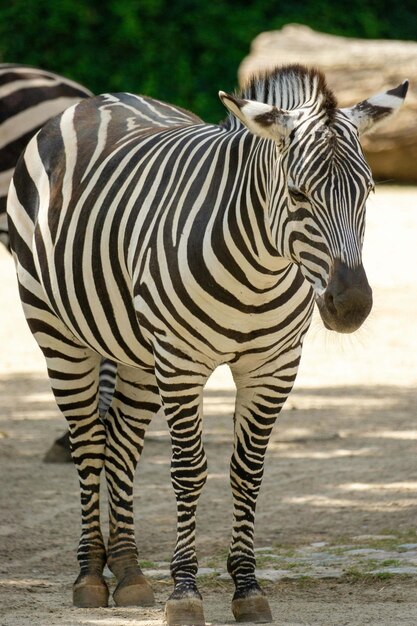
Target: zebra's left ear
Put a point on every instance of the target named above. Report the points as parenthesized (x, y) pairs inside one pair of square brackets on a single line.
[(369, 112), (264, 120)]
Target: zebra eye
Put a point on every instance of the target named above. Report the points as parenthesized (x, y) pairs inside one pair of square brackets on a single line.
[(297, 195)]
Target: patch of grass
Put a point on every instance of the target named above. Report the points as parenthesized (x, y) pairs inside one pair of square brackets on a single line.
[(338, 551), (355, 575), (392, 541), (263, 561), (391, 563), (305, 581), (383, 575), (292, 565), (213, 581), (204, 578), (388, 544), (366, 565), (214, 563), (284, 550), (148, 564)]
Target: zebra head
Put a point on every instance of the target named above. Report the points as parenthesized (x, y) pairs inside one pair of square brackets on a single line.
[(319, 181)]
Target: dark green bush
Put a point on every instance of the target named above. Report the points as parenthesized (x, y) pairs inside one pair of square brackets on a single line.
[(182, 51)]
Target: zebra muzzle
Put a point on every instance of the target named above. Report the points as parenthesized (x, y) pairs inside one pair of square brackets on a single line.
[(347, 301)]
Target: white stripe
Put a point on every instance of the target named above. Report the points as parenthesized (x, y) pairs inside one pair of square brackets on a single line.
[(19, 217), (41, 74), (23, 84), (32, 118)]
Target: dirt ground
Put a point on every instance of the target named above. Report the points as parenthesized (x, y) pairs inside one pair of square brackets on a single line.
[(341, 465)]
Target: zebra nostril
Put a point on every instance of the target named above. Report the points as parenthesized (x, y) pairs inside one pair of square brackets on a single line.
[(329, 301)]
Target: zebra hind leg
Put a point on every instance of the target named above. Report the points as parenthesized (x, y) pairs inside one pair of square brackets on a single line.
[(74, 372), (108, 371), (135, 402), (60, 451)]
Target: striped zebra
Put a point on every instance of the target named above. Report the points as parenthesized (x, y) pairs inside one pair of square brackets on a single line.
[(171, 252), (29, 97)]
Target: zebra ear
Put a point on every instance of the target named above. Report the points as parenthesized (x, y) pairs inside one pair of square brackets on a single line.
[(264, 120), (376, 108)]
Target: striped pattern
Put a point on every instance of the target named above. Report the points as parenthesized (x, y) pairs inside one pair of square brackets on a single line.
[(172, 251), (29, 97)]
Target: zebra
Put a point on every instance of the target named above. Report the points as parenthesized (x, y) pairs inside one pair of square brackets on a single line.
[(171, 252), (29, 97)]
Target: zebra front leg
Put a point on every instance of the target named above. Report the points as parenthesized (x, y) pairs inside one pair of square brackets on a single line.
[(135, 401), (182, 393), (257, 407), (73, 372)]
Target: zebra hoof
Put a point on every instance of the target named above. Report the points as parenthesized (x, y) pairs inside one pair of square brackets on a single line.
[(184, 612), (253, 608), (134, 590), (90, 592)]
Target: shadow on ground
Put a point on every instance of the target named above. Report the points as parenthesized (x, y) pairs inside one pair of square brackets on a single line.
[(339, 462)]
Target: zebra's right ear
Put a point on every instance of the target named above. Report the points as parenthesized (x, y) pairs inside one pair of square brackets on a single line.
[(264, 120)]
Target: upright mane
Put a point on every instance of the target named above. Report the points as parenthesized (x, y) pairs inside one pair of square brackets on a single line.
[(288, 87)]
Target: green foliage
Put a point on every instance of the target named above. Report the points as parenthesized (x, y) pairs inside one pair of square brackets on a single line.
[(181, 51)]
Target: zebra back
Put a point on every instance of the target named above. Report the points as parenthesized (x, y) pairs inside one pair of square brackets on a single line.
[(29, 97)]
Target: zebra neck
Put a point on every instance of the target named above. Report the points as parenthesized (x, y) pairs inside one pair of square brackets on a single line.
[(275, 213), (249, 213)]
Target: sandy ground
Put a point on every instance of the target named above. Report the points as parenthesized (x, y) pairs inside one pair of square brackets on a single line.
[(342, 463)]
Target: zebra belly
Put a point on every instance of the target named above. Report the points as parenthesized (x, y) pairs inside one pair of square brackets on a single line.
[(129, 330)]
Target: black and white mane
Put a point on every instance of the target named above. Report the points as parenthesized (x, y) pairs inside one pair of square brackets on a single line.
[(289, 87)]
